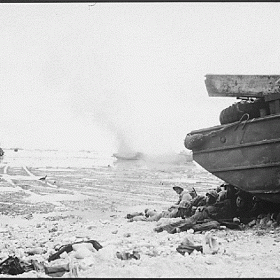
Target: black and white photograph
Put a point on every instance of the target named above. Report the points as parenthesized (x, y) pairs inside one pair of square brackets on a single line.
[(139, 140)]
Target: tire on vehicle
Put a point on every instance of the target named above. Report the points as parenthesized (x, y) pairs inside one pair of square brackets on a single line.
[(234, 112)]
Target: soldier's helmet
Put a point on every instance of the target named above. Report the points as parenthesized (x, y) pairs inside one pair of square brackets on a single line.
[(212, 193)]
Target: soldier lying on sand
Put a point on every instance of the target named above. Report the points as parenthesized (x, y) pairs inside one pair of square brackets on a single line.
[(176, 210), (211, 210)]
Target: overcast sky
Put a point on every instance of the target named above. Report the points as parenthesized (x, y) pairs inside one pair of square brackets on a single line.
[(100, 76)]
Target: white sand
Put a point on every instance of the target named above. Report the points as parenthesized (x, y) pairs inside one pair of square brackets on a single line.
[(100, 215)]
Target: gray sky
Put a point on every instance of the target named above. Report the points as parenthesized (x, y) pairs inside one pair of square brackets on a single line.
[(76, 76)]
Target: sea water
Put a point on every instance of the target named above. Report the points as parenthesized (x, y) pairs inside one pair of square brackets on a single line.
[(57, 158)]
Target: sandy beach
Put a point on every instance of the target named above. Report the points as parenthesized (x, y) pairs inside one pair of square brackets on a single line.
[(91, 203)]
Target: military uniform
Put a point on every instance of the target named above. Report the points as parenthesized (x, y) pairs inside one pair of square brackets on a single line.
[(184, 199)]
